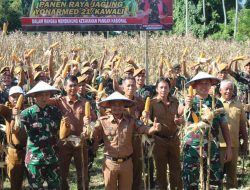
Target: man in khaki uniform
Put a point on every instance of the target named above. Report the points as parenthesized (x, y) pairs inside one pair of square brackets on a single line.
[(135, 111), (73, 109), (166, 150), (16, 141), (237, 125), (116, 129)]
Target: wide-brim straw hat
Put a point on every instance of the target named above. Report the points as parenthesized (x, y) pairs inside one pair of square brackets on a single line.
[(116, 96), (41, 87), (203, 76)]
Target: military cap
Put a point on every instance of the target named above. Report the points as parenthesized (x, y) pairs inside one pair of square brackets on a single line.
[(129, 70), (86, 69), (139, 71), (246, 62), (4, 69), (37, 75), (82, 78), (93, 61), (86, 64), (37, 66), (222, 67)]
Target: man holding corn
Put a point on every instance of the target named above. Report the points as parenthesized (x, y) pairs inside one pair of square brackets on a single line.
[(201, 135), (116, 129), (41, 123)]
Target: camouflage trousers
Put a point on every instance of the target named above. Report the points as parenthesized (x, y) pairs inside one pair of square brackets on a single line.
[(191, 166), (38, 174)]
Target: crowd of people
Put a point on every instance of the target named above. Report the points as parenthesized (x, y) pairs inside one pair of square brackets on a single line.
[(192, 124)]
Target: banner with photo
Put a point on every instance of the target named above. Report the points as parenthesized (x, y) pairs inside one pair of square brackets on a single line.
[(96, 15)]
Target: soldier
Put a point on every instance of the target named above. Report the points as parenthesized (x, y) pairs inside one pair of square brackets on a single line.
[(237, 125), (16, 142), (116, 130), (73, 109), (143, 90), (41, 123), (135, 111), (243, 79), (166, 150), (191, 146)]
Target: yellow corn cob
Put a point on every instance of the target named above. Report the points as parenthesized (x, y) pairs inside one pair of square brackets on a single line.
[(87, 109), (20, 102), (31, 52), (15, 58), (190, 91), (161, 60), (239, 58), (54, 45), (147, 104), (202, 55), (100, 87), (64, 129), (195, 117), (78, 59), (65, 71), (119, 59), (5, 27), (218, 60), (168, 64), (185, 51)]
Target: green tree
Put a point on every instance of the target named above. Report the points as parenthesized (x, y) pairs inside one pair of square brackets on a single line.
[(10, 11)]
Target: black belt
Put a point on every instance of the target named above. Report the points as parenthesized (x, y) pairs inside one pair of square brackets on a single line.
[(119, 160), (165, 137)]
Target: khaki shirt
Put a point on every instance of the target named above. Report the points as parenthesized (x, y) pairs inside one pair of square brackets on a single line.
[(137, 109), (117, 134), (19, 138), (75, 111), (236, 117), (165, 115)]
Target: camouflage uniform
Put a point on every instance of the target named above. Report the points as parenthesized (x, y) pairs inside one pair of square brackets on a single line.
[(180, 82), (146, 91), (107, 84), (243, 80), (191, 159), (41, 160)]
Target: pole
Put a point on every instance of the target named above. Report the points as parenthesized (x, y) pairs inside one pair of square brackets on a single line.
[(186, 22), (146, 55)]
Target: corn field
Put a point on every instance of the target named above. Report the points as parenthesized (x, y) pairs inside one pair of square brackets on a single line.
[(92, 46)]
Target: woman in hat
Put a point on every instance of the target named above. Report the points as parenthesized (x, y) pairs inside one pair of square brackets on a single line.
[(195, 107), (116, 129), (41, 123)]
